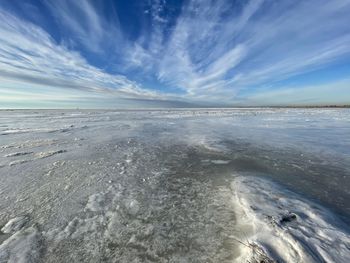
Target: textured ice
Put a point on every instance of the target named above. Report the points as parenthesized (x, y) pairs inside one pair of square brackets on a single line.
[(157, 186)]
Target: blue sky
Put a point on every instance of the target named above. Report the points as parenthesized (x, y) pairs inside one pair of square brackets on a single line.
[(117, 54)]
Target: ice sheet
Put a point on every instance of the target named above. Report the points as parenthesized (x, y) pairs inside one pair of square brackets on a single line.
[(157, 185)]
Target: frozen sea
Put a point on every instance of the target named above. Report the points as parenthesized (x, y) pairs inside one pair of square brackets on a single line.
[(204, 185)]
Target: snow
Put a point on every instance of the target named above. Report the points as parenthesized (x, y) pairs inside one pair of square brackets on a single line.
[(49, 153), (21, 247), (314, 235), (132, 207), (95, 202), (220, 161), (14, 225), (17, 154)]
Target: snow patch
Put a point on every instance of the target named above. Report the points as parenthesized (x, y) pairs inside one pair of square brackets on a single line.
[(287, 227), (17, 154), (18, 162), (49, 153), (95, 202), (132, 207), (220, 161), (15, 224), (21, 247)]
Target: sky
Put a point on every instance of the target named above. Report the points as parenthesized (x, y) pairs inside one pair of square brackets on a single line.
[(173, 53)]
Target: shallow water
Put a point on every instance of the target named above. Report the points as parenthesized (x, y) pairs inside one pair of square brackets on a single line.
[(175, 185)]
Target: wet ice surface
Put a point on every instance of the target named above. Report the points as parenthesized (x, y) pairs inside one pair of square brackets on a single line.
[(243, 185)]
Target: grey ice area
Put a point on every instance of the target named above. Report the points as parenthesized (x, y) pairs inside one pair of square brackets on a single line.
[(204, 185)]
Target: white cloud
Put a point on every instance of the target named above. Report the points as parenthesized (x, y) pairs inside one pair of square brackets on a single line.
[(267, 41), (86, 24), (28, 55)]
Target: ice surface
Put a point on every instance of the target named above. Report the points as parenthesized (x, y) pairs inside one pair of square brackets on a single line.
[(142, 186)]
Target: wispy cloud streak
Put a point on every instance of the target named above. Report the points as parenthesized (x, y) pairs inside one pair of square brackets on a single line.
[(217, 47), (207, 51), (29, 55)]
